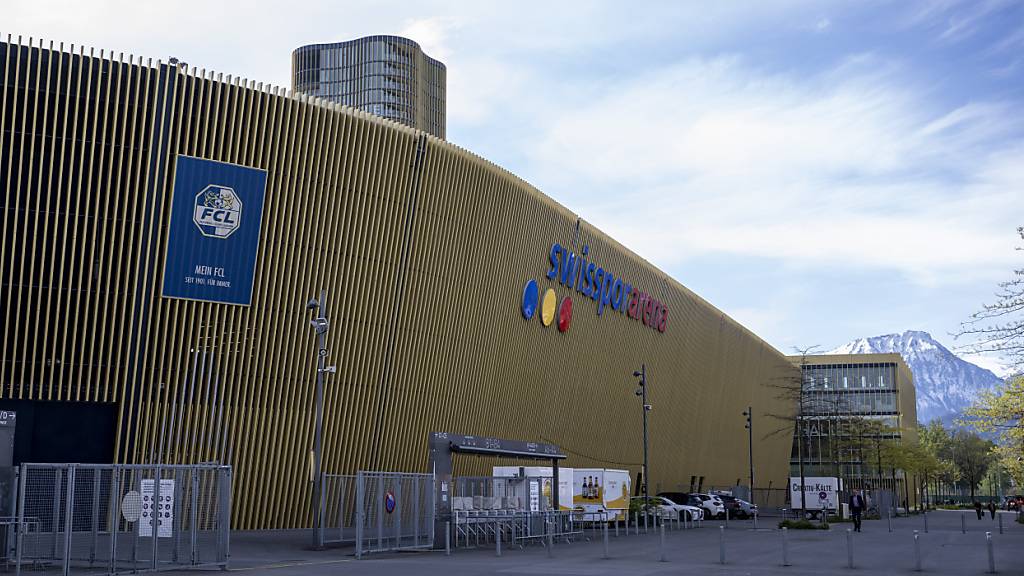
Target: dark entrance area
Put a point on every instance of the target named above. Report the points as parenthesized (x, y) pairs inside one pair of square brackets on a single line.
[(59, 431)]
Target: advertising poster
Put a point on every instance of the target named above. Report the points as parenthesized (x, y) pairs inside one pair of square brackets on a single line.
[(822, 492), (214, 234)]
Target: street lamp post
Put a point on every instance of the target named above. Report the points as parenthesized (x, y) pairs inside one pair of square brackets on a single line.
[(750, 447), (642, 393), (320, 326)]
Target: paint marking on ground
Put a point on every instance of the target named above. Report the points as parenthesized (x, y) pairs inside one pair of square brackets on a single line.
[(289, 565)]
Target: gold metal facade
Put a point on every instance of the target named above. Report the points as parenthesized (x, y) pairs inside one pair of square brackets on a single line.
[(423, 249)]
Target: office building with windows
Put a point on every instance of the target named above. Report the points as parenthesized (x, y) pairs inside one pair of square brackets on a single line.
[(389, 76), (851, 407)]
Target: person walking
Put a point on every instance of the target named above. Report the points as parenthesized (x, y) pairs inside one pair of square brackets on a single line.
[(977, 509), (856, 509), (992, 509)]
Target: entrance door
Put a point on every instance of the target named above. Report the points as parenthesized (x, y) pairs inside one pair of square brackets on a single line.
[(55, 431)]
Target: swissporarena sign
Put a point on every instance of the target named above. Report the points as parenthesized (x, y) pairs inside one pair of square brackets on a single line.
[(593, 282), (214, 234)]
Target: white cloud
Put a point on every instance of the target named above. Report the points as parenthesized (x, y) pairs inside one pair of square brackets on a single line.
[(432, 34), (715, 156), (989, 362)]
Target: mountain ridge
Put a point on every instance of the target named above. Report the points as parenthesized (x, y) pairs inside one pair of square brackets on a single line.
[(945, 383)]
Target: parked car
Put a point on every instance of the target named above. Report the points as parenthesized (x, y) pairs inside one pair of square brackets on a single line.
[(712, 504), (680, 497), (1014, 502), (738, 507), (667, 506), (705, 502)]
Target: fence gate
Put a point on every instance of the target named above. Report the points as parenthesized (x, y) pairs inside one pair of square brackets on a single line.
[(339, 526), (394, 511), (114, 518)]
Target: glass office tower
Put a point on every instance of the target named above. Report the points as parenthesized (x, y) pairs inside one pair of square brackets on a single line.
[(389, 76)]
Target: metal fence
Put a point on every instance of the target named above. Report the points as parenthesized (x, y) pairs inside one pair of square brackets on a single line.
[(111, 518), (339, 526), (771, 497), (394, 511)]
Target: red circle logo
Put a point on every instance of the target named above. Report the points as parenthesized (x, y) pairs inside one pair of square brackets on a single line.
[(565, 314)]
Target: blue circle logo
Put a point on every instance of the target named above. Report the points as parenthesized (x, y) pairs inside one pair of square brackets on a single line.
[(390, 502), (531, 295)]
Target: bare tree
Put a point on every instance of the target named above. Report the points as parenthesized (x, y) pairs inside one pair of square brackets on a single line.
[(790, 389), (999, 327)]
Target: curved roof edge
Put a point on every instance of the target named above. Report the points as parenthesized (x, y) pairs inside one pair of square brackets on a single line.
[(355, 41)]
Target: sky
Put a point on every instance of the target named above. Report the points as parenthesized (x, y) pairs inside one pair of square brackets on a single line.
[(820, 171)]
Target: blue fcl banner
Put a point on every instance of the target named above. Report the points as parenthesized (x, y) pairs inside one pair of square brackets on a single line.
[(215, 231)]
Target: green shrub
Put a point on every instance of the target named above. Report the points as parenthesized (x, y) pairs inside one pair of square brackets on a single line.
[(802, 525), (838, 519)]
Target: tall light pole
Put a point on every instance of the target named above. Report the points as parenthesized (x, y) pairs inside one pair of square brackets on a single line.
[(320, 326), (750, 447), (642, 393)]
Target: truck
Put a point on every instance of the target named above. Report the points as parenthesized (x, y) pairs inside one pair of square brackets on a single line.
[(820, 495), (600, 490)]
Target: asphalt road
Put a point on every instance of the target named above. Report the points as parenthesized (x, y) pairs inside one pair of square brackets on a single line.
[(944, 550)]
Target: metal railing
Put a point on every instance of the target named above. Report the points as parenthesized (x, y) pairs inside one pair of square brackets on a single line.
[(339, 526), (115, 518), (483, 528), (394, 511)]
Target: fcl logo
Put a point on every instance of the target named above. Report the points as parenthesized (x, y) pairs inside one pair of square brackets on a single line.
[(218, 211)]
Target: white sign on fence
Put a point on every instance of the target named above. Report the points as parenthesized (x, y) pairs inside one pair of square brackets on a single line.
[(163, 510), (821, 492)]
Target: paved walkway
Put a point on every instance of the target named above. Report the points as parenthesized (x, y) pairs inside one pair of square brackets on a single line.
[(944, 550)]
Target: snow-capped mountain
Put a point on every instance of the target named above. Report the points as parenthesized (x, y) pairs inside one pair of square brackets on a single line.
[(946, 384)]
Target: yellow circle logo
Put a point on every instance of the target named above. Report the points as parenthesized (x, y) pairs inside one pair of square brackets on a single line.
[(547, 307)]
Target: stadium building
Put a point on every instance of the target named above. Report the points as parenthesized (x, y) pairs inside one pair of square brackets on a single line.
[(162, 229)]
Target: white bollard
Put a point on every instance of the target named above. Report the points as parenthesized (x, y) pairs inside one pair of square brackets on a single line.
[(663, 559), (917, 551), (606, 556), (926, 521), (785, 547), (991, 554), (721, 544), (849, 548)]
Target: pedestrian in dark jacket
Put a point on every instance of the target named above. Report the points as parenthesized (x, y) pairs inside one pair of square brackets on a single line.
[(992, 509), (856, 509), (977, 508)]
